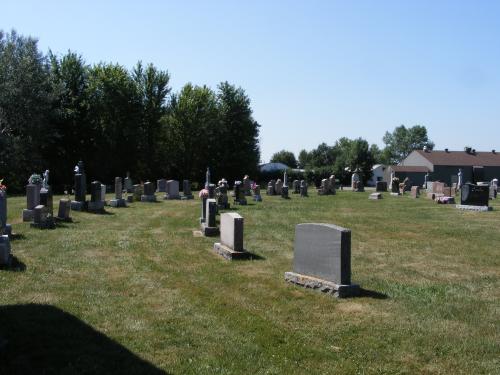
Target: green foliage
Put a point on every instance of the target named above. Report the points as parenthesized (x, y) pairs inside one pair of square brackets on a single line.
[(55, 111), (402, 141), (285, 157)]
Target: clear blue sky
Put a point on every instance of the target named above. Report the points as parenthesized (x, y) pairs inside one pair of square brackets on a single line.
[(314, 70)]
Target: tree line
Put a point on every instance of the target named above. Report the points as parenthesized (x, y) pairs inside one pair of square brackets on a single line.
[(348, 155), (57, 110)]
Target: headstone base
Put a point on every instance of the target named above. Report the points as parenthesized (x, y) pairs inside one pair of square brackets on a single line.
[(473, 208), (63, 219), (241, 202), (148, 198), (328, 287), (395, 194), (445, 200), (5, 257), (117, 203), (96, 206), (230, 254), (209, 231), (27, 215), (375, 196), (78, 206), (47, 223), (171, 197), (186, 197), (130, 198)]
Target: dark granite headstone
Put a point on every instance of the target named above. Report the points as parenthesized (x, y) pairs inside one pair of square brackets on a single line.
[(475, 195), (381, 186)]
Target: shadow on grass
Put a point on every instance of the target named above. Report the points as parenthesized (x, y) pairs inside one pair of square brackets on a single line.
[(42, 339), (103, 212), (17, 236), (15, 265), (372, 294)]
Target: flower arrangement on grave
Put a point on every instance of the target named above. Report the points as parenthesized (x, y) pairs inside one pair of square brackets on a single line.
[(3, 188), (253, 186), (203, 193), (35, 179)]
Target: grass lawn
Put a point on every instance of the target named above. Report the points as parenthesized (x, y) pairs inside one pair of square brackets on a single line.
[(134, 292)]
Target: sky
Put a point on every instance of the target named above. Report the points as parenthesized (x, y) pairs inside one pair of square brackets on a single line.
[(315, 71)]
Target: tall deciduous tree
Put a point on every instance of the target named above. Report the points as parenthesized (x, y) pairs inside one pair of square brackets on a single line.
[(402, 141), (285, 157)]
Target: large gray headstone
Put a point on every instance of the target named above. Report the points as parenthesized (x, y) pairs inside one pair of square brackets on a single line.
[(323, 251), (32, 195), (231, 230)]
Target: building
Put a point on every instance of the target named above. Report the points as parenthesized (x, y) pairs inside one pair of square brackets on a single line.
[(444, 166), (378, 173), (273, 167)]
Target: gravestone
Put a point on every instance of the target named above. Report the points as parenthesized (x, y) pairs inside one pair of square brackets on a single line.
[(231, 237), (296, 187), (161, 185), (438, 187), (47, 199), (303, 188), (278, 187), (96, 204), (42, 219), (80, 201), (331, 185), (239, 194), (322, 259), (172, 190), (395, 187), (5, 229), (381, 186), (103, 194), (256, 193), (221, 195), (284, 192), (136, 193), (211, 191), (247, 186), (375, 196), (186, 190), (415, 191), (492, 192), (129, 186), (477, 174), (5, 257), (118, 201), (474, 197), (32, 200), (270, 188), (63, 213), (324, 188), (148, 192), (209, 226), (203, 216)]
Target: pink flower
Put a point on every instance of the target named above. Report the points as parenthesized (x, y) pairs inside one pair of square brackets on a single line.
[(203, 193)]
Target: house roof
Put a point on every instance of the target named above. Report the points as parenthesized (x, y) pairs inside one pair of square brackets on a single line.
[(462, 158), (409, 168)]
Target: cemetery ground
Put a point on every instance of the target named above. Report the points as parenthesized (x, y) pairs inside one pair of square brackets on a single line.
[(133, 291)]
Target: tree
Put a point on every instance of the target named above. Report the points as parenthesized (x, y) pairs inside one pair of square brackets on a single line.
[(285, 157), (153, 89), (236, 147), (304, 159), (402, 141), (26, 102)]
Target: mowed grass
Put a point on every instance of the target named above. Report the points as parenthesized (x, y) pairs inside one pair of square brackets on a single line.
[(134, 291)]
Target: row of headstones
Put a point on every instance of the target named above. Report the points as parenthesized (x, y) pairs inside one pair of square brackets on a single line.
[(277, 187), (322, 252)]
